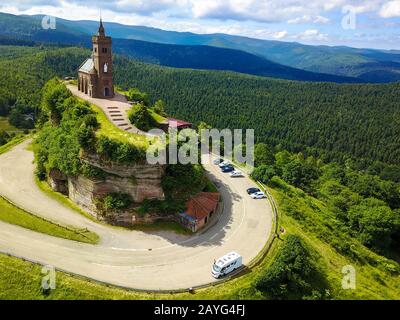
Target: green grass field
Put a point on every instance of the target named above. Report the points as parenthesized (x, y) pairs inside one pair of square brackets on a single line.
[(110, 130), (6, 126), (13, 215)]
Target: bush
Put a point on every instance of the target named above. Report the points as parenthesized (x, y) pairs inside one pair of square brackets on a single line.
[(140, 117), (118, 151), (289, 276), (135, 95), (374, 223), (4, 137), (116, 201), (90, 171), (263, 173)]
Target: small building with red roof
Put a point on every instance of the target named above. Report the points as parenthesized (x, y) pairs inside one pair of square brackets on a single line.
[(178, 124), (199, 210)]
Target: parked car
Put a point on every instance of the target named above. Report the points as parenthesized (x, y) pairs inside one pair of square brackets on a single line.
[(218, 161), (224, 164), (236, 174), (228, 168), (258, 195), (252, 190), (226, 264)]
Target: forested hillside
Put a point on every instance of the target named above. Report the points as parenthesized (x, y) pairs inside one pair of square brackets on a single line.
[(336, 121)]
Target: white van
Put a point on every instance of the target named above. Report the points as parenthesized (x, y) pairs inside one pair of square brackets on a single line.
[(226, 264)]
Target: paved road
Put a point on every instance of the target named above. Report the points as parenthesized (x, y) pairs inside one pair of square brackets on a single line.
[(153, 261)]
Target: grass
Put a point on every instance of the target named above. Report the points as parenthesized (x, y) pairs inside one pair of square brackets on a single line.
[(110, 130), (13, 215), (156, 117), (373, 279), (6, 126), (17, 140)]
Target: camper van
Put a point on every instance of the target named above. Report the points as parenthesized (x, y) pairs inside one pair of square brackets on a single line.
[(226, 264)]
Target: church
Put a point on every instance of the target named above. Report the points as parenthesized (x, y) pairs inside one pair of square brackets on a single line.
[(95, 75)]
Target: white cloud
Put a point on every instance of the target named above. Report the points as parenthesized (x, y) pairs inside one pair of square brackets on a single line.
[(279, 34), (294, 11), (309, 19), (390, 9)]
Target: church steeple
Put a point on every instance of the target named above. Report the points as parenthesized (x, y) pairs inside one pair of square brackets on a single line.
[(101, 29)]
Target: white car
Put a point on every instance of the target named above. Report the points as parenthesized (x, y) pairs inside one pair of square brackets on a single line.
[(236, 174), (224, 164), (218, 161), (258, 195)]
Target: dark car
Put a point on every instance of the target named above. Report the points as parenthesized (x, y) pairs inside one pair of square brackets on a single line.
[(228, 168), (252, 190)]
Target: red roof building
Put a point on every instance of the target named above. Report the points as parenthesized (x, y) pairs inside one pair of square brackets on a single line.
[(199, 210), (178, 124)]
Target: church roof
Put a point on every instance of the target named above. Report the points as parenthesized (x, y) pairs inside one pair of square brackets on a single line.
[(87, 66)]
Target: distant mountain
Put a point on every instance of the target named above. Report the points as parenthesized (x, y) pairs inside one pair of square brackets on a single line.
[(368, 64), (28, 28)]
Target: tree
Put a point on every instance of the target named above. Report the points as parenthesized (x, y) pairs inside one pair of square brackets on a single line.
[(53, 97), (4, 137), (289, 275), (374, 223), (263, 155), (140, 117), (159, 108), (21, 115), (135, 95), (263, 173)]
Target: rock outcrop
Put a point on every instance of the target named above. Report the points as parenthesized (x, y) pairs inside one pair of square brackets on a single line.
[(140, 181)]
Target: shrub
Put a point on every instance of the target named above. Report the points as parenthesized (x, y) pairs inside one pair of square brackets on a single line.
[(116, 201), (289, 276), (140, 117), (118, 151), (135, 95), (263, 173), (90, 171), (4, 137)]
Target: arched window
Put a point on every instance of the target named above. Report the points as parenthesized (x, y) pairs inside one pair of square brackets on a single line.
[(105, 67)]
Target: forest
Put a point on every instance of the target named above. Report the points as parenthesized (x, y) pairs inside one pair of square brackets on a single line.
[(332, 121)]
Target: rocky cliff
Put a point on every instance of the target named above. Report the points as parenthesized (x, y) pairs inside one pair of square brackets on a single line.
[(140, 181)]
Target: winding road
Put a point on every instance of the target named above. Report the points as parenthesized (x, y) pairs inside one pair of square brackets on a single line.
[(133, 259)]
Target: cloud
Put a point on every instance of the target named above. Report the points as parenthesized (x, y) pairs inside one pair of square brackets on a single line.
[(293, 11), (390, 9), (280, 34), (309, 19)]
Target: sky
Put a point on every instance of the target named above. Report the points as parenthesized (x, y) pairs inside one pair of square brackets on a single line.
[(366, 23)]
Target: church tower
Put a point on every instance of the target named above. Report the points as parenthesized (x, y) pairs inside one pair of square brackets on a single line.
[(102, 60)]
